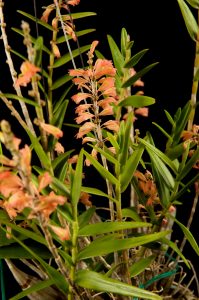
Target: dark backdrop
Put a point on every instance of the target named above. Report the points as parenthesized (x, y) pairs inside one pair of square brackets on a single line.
[(154, 24)]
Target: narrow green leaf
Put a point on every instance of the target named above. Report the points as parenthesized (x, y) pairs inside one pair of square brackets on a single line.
[(77, 180), (130, 167), (189, 236), (103, 172), (44, 159), (163, 131), (98, 282), (112, 139), (62, 39), (61, 81), (38, 51), (137, 101), (85, 217), (78, 15), (189, 20), (194, 3), (141, 265), (124, 148), (135, 59), (18, 54), (116, 54), (103, 247), (94, 191), (189, 165), (160, 154), (66, 257), (62, 187), (105, 227), (44, 24), (169, 117), (61, 159), (124, 41), (15, 251), (139, 74), (40, 285), (131, 213), (66, 58), (173, 246), (15, 97)]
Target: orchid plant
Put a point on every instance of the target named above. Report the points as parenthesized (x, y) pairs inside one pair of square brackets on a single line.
[(72, 246)]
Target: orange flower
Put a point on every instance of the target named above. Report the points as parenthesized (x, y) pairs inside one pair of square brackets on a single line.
[(9, 183), (55, 50), (142, 111), (55, 131), (107, 111), (6, 161), (73, 2), (82, 108), (28, 70), (112, 125), (85, 128), (44, 180), (47, 12), (84, 198), (103, 67), (83, 117), (59, 148), (80, 96), (62, 233), (73, 159), (26, 160)]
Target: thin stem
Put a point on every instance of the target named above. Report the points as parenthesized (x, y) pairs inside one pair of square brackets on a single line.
[(12, 69), (194, 84)]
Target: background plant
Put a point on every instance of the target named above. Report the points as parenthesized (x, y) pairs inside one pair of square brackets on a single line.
[(47, 215)]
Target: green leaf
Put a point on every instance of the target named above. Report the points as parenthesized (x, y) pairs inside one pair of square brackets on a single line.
[(130, 167), (135, 59), (44, 159), (163, 131), (66, 58), (77, 180), (62, 39), (18, 54), (131, 213), (59, 160), (98, 282), (188, 236), (173, 246), (38, 51), (62, 187), (169, 117), (15, 97), (189, 165), (107, 245), (194, 3), (189, 20), (105, 227), (116, 54), (124, 41), (44, 24), (15, 251), (103, 172), (112, 139), (125, 140), (85, 217), (139, 74), (40, 285), (78, 15), (137, 101), (160, 154), (94, 191), (61, 81), (141, 265)]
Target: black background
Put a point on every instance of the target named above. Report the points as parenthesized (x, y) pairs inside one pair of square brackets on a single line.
[(156, 25)]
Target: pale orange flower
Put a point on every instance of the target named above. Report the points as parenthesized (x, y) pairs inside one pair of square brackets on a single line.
[(28, 70), (104, 102), (6, 161), (80, 96), (73, 2), (84, 117), (82, 108), (85, 199), (25, 162), (112, 125), (62, 233), (88, 139), (47, 12), (85, 128), (103, 67), (44, 180), (9, 183), (107, 111), (70, 30), (55, 50), (92, 48), (59, 148), (50, 129), (73, 159), (142, 111), (47, 204)]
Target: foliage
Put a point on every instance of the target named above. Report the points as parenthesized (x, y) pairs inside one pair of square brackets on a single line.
[(53, 223)]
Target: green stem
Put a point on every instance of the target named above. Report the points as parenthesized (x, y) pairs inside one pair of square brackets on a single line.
[(194, 84)]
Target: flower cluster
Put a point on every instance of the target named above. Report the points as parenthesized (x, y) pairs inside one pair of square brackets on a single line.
[(99, 83)]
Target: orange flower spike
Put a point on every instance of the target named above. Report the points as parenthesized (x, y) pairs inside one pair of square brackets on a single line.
[(62, 233), (28, 70), (44, 180), (50, 129)]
